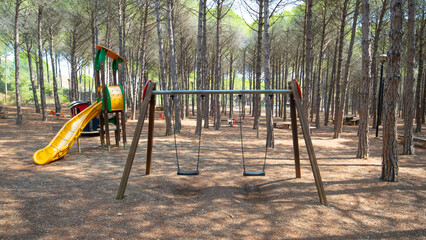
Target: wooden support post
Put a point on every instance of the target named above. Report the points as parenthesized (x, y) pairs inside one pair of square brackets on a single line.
[(123, 128), (78, 144), (309, 146), (117, 129), (98, 96), (135, 142), (105, 110), (150, 134), (117, 115), (295, 136), (123, 119)]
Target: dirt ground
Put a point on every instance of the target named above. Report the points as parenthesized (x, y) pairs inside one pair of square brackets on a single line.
[(74, 197)]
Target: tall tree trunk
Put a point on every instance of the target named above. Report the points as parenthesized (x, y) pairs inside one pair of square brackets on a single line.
[(340, 60), (318, 87), (205, 67), (199, 65), (423, 98), (285, 84), (268, 100), (94, 28), (30, 67), (363, 144), (47, 73), (243, 100), (16, 48), (409, 114), (144, 75), (231, 84), (390, 149), (74, 77), (327, 87), (40, 56), (57, 69), (308, 60), (162, 70), (374, 61), (341, 106), (257, 108), (334, 82), (173, 68), (55, 84), (5, 78), (419, 100), (218, 72)]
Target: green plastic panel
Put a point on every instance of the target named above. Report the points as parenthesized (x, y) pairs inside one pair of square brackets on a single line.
[(100, 58)]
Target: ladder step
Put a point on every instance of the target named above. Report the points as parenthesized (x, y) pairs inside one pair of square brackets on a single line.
[(260, 173), (181, 172)]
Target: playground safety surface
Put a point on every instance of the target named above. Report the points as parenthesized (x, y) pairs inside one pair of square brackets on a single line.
[(74, 197)]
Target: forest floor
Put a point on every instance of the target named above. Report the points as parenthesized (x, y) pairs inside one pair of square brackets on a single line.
[(74, 197)]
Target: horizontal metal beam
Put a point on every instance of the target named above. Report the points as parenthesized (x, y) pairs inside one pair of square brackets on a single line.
[(257, 91)]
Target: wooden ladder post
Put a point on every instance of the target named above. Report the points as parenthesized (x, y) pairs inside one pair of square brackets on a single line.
[(295, 136), (135, 142), (150, 134), (309, 145)]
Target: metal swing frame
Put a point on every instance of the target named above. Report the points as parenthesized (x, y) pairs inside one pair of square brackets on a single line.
[(148, 103)]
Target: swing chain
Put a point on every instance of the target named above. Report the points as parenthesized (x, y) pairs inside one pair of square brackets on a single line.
[(241, 131), (176, 147)]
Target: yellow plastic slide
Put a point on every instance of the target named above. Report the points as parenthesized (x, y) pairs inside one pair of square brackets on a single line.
[(63, 141)]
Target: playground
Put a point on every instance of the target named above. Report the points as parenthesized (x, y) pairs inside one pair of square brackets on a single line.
[(76, 195)]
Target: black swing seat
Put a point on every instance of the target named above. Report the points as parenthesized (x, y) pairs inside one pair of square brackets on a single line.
[(182, 172), (260, 173)]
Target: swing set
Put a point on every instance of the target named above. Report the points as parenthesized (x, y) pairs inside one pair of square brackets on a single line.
[(148, 104)]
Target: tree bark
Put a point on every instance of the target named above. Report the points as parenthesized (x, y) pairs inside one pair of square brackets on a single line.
[(340, 60), (243, 100), (144, 74), (409, 109), (94, 28), (218, 72), (40, 55), (74, 77), (55, 84), (363, 144), (390, 149), (162, 70), (16, 48), (205, 67), (257, 108), (199, 64), (378, 30), (231, 84), (341, 106), (419, 100), (318, 98), (268, 100), (30, 67), (173, 68), (285, 84), (308, 60)]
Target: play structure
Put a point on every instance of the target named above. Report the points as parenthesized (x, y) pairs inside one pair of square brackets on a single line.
[(76, 107), (148, 104), (110, 100)]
